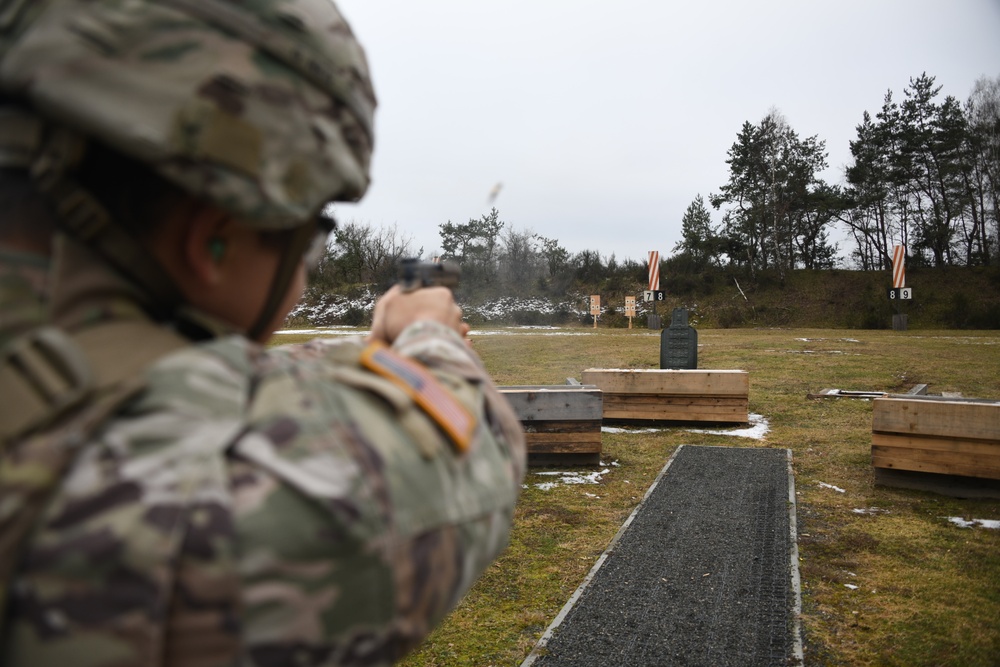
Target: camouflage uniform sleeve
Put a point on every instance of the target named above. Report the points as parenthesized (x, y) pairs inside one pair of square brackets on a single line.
[(359, 522), (132, 562), (441, 349)]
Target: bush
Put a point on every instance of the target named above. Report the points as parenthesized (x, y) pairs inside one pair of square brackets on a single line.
[(731, 316), (528, 318), (988, 318), (356, 317), (958, 313), (963, 314)]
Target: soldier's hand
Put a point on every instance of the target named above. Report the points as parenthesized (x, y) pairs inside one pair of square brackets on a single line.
[(395, 310)]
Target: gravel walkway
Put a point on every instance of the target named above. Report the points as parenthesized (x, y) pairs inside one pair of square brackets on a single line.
[(703, 573)]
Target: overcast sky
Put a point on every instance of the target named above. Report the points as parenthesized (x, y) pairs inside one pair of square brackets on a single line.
[(604, 120)]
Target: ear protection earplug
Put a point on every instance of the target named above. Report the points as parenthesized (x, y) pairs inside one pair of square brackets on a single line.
[(217, 248)]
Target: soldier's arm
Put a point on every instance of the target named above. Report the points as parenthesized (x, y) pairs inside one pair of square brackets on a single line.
[(387, 516)]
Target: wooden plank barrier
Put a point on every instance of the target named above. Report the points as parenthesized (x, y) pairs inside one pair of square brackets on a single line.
[(672, 395), (562, 423), (943, 436)]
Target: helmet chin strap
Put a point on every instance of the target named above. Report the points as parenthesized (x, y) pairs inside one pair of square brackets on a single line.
[(52, 152), (291, 258), (84, 218)]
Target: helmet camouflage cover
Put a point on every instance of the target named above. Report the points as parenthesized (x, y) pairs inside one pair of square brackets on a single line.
[(264, 107)]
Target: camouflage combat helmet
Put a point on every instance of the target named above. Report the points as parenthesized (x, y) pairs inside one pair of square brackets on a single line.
[(264, 108)]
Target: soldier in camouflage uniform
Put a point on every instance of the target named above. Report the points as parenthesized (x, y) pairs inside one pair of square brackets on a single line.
[(172, 493)]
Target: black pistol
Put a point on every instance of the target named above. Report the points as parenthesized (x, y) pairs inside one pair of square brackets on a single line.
[(415, 273)]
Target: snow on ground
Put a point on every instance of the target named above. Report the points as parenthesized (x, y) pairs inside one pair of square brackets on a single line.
[(620, 429), (555, 479), (758, 428), (504, 307), (530, 331), (972, 523), (322, 331), (824, 485), (338, 308), (333, 307), (536, 330)]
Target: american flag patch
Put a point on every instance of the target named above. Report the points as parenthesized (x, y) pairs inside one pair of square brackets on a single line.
[(425, 390)]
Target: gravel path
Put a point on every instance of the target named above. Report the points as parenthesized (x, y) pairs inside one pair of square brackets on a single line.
[(702, 575)]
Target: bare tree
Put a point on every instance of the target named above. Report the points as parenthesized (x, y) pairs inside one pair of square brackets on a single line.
[(362, 254)]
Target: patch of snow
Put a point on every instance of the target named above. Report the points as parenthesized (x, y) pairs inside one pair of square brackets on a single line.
[(509, 332), (324, 331), (972, 523), (869, 510), (570, 477), (851, 586), (617, 429), (831, 486), (758, 428), (329, 307), (504, 307)]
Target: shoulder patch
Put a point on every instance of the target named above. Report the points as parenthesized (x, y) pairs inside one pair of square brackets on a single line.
[(426, 391)]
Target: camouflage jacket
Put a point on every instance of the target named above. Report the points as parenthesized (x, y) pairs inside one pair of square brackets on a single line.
[(300, 505)]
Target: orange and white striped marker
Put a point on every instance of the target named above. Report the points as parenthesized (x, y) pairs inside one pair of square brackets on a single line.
[(898, 267), (654, 269)]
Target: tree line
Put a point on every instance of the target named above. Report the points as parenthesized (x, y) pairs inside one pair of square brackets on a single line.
[(495, 258), (925, 174)]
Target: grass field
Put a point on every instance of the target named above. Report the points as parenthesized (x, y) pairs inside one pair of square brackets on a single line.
[(925, 591)]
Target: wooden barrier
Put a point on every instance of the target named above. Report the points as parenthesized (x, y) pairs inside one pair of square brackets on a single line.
[(672, 395), (562, 423), (958, 438)]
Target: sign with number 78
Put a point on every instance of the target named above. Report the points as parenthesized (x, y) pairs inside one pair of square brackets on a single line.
[(654, 295)]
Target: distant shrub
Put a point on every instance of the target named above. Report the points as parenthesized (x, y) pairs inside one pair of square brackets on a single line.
[(356, 317), (296, 321), (613, 318), (731, 316), (528, 318), (682, 284), (989, 318), (772, 316), (962, 313), (563, 316), (708, 283), (473, 319), (958, 314)]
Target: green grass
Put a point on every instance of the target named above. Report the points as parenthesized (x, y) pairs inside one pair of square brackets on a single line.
[(928, 591)]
